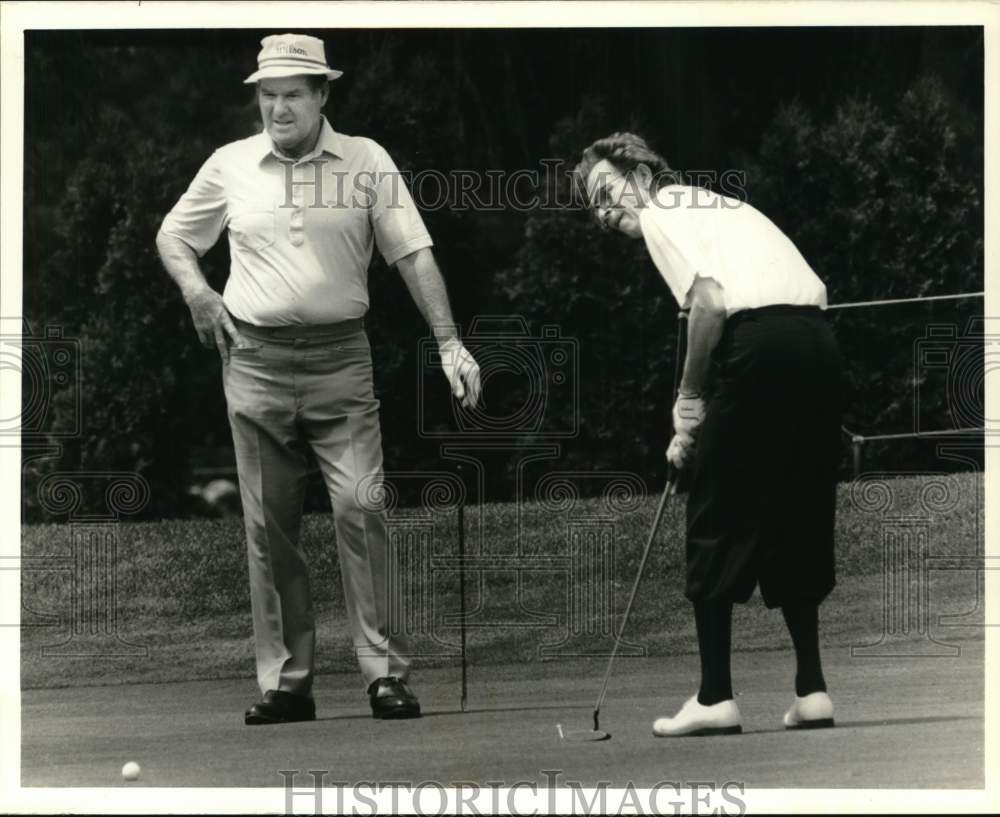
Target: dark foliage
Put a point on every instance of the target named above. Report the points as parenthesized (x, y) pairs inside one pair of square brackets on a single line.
[(865, 145)]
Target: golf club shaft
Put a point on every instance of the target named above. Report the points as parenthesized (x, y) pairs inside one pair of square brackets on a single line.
[(461, 589), (667, 492)]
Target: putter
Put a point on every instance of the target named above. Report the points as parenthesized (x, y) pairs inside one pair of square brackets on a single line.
[(587, 735)]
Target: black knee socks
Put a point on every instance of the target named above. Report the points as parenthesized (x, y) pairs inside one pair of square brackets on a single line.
[(714, 621), (803, 626)]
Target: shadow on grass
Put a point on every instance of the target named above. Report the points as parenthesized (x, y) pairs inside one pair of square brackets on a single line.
[(841, 725), (443, 712)]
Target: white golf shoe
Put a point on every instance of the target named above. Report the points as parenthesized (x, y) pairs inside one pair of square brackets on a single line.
[(694, 719), (814, 711)]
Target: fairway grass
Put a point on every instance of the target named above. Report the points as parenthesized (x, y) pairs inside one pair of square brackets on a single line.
[(181, 587)]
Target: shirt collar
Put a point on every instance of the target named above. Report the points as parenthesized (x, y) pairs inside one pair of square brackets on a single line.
[(329, 142)]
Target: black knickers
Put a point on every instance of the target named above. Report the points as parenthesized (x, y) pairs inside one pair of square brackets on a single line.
[(763, 483)]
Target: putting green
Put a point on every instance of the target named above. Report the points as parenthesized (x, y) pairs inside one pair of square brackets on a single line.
[(901, 723)]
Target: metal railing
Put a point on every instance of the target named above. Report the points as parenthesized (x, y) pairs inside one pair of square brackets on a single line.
[(858, 440)]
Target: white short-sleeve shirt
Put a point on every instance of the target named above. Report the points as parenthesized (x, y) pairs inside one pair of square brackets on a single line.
[(691, 232), (301, 234)]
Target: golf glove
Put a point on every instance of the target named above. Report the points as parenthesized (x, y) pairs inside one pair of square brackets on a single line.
[(461, 370), (681, 450), (688, 414)]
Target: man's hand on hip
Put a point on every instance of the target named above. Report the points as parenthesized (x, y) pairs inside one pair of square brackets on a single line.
[(212, 321), (462, 372)]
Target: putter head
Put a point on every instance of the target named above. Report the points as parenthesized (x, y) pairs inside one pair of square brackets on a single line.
[(585, 735)]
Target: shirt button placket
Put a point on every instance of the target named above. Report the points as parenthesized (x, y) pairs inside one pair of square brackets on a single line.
[(296, 222)]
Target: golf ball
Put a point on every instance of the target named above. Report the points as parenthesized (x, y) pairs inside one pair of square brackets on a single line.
[(130, 771)]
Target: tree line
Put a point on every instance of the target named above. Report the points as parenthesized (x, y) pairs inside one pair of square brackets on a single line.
[(864, 145)]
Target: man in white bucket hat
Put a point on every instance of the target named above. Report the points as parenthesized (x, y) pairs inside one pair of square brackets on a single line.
[(304, 207), (287, 55)]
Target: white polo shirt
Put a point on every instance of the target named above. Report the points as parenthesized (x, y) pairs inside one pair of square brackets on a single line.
[(692, 232), (301, 233)]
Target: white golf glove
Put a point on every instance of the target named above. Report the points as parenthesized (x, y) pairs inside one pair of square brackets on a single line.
[(461, 370), (688, 414), (681, 450)]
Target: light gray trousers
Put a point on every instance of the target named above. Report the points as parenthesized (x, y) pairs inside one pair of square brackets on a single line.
[(288, 388)]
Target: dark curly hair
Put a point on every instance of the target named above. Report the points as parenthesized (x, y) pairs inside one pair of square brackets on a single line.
[(626, 151)]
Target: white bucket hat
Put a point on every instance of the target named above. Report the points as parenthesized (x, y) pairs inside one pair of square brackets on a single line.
[(291, 55)]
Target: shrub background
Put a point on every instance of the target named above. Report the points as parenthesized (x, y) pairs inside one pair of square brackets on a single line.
[(865, 145)]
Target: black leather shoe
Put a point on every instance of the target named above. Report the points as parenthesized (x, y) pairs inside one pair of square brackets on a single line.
[(281, 707), (391, 698)]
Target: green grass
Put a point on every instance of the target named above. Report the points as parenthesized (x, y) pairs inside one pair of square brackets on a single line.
[(182, 587)]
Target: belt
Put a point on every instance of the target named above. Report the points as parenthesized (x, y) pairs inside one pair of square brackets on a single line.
[(331, 331)]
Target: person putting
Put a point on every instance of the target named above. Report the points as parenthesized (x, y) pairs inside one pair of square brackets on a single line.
[(759, 438)]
